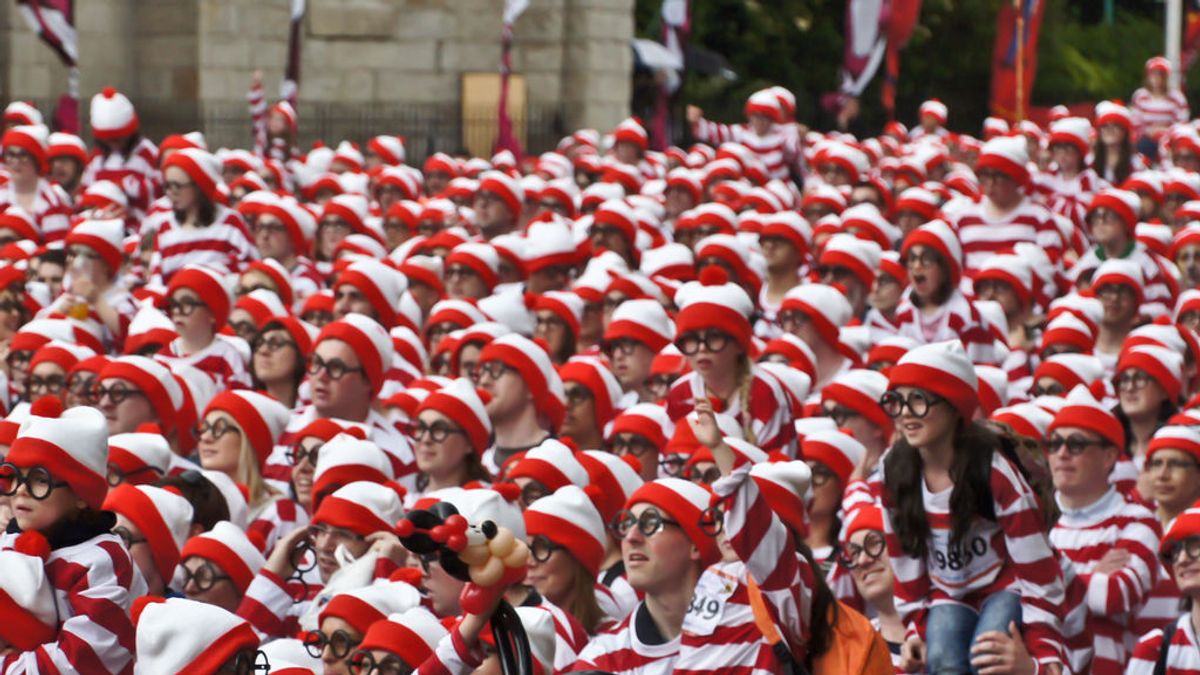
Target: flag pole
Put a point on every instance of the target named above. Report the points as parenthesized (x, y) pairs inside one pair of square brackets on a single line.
[(1019, 5)]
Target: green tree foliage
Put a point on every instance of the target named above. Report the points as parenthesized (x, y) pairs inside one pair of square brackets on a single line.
[(798, 43)]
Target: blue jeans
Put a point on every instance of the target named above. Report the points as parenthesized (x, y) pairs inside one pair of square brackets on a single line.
[(951, 629)]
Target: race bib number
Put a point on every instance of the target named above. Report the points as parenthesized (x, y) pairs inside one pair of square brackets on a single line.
[(962, 563), (708, 604)]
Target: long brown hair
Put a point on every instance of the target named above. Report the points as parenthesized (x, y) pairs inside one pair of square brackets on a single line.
[(970, 498), (583, 598)]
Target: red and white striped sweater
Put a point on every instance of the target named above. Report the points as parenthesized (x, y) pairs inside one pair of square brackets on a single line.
[(767, 414), (777, 150), (958, 319), (1158, 284), (1107, 602), (1149, 110), (51, 208), (224, 245), (1010, 553), (983, 234), (1183, 657), (94, 583), (136, 174), (222, 359)]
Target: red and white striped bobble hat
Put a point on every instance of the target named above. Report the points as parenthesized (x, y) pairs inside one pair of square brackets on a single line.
[(993, 388), (537, 371), (684, 502), (569, 518), (178, 635), (363, 507), (866, 222), (1164, 365), (23, 112), (643, 320), (552, 464), (1076, 131), (1068, 328), (943, 369), (649, 420), (1125, 203), (364, 606), (142, 456), (836, 449), (1070, 370), (825, 306), (934, 108), (1013, 270), (715, 302), (594, 374), (163, 516), (1175, 437), (346, 459), (460, 402), (860, 390), (112, 115), (939, 236), (860, 256), (413, 635), (227, 545), (72, 442), (615, 479), (1083, 411), (1121, 272), (479, 257), (1026, 419), (389, 148), (1006, 154)]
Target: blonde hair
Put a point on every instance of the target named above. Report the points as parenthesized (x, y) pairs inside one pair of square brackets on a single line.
[(248, 472)]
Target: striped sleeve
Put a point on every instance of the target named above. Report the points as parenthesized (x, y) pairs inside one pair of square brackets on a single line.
[(451, 657), (268, 607), (764, 544), (1126, 590), (1039, 577), (96, 579), (713, 133)]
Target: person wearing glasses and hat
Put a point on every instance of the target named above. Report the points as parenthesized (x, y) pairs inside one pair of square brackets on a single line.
[(713, 331), (1108, 538), (55, 472), (198, 301), (941, 551), (1172, 649)]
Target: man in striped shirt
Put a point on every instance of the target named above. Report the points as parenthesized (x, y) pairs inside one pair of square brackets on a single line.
[(1108, 540)]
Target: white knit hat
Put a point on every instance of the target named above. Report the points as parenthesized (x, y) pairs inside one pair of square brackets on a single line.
[(381, 285), (685, 502), (1070, 370), (940, 237), (112, 115), (1120, 271), (142, 456), (825, 306), (1006, 154), (860, 256), (1026, 419), (567, 305), (869, 223), (186, 636), (507, 188), (72, 443), (643, 320), (228, 546), (234, 498), (715, 302), (389, 148), (363, 507), (368, 339), (673, 261), (1076, 131), (261, 418), (837, 450), (511, 308), (943, 369), (480, 257), (346, 459), (163, 516), (1125, 203), (570, 519), (860, 390), (552, 464), (614, 479), (1013, 270), (934, 108)]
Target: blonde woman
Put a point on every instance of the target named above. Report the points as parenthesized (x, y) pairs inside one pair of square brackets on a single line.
[(237, 433)]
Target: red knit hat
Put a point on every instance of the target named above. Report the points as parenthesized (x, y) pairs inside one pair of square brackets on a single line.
[(505, 187), (363, 507), (261, 418), (686, 503), (860, 256), (1084, 412), (570, 519), (867, 517), (185, 636), (163, 516), (943, 369), (614, 478), (1175, 437), (112, 115), (27, 598), (938, 236), (1121, 272), (1006, 154), (825, 306), (1164, 365), (642, 320), (203, 168), (460, 402), (346, 459)]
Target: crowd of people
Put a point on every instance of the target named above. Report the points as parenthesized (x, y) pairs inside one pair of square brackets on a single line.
[(782, 401)]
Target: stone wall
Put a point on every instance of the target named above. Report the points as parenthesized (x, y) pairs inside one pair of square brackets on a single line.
[(188, 63)]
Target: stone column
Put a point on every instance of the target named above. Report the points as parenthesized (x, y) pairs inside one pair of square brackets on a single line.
[(598, 67)]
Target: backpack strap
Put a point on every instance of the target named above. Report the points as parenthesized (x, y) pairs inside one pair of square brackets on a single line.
[(1160, 666)]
